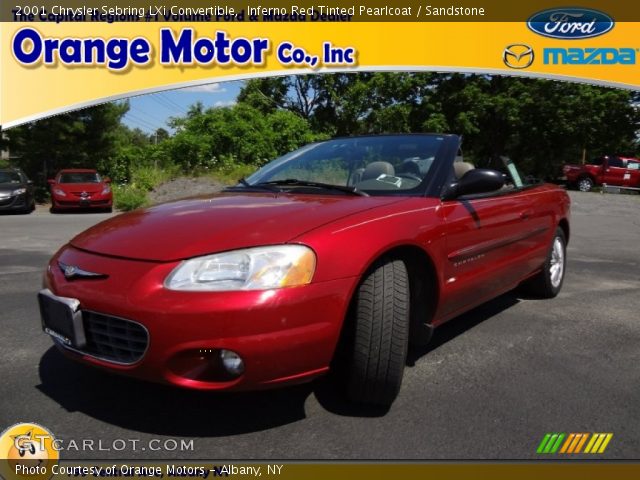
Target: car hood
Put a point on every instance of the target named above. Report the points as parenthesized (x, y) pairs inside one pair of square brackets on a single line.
[(202, 225), (10, 187), (80, 187)]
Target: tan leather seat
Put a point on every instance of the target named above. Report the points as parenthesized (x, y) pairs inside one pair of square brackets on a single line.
[(460, 168), (375, 169)]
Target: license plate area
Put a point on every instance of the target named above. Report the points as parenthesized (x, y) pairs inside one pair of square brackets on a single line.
[(62, 319)]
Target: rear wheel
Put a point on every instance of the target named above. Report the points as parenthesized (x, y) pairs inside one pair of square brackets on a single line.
[(585, 184), (548, 282), (381, 333)]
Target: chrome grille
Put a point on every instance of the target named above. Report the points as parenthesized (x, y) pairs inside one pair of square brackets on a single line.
[(114, 339)]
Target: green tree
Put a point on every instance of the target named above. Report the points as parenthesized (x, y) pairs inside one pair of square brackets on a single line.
[(83, 138)]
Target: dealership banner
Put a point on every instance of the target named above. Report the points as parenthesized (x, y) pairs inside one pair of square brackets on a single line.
[(58, 56), (55, 58)]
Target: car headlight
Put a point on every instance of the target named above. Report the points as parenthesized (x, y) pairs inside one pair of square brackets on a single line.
[(57, 191), (106, 189), (19, 191), (260, 268)]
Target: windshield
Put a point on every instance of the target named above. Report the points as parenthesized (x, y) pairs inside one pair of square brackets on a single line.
[(79, 177), (381, 164), (10, 177)]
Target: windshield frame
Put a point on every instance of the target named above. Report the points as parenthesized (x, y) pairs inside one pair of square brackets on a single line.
[(430, 185)]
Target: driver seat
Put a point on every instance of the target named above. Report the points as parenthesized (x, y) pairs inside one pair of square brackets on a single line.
[(375, 169)]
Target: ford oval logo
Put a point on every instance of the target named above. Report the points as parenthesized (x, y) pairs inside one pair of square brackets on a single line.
[(570, 23)]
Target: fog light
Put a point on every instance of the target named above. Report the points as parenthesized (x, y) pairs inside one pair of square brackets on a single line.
[(232, 362)]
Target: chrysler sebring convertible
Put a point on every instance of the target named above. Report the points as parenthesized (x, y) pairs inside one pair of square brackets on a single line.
[(333, 257)]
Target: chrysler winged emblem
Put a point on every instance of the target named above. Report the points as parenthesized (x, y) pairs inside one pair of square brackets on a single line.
[(72, 271), (518, 56)]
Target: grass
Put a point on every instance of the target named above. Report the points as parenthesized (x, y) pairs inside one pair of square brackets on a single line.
[(229, 175), (128, 197), (132, 195)]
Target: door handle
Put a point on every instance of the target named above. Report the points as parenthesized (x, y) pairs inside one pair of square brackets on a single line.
[(526, 214)]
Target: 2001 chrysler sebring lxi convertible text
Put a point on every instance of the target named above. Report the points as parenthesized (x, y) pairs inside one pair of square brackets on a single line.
[(337, 254)]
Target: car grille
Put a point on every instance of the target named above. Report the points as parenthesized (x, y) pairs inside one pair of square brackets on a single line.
[(114, 339), (87, 202)]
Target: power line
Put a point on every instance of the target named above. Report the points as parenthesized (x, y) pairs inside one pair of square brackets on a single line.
[(141, 122), (171, 102)]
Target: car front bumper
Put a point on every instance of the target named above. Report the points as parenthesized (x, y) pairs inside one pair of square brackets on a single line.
[(283, 335), (13, 202), (71, 202)]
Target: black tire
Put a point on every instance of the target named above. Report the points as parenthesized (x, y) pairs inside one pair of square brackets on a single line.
[(27, 210), (381, 333), (585, 184), (543, 285)]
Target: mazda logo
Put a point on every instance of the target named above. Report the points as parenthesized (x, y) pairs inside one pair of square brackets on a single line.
[(70, 271), (518, 55)]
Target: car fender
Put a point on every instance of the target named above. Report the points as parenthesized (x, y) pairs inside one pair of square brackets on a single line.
[(349, 246)]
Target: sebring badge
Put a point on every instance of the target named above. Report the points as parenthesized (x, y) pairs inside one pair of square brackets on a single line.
[(71, 271), (518, 56)]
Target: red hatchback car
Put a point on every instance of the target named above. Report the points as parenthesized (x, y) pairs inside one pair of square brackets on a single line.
[(80, 188), (336, 255)]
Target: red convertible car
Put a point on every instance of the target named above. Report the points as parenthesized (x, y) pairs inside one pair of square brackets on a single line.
[(80, 188), (336, 255)]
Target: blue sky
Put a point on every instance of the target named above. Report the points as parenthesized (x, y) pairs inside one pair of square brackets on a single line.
[(150, 112)]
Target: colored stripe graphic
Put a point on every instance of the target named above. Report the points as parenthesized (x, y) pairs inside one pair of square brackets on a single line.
[(573, 443), (581, 443), (543, 443), (598, 443), (567, 443), (551, 443)]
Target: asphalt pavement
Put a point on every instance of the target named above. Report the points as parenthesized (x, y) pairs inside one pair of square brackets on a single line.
[(492, 383)]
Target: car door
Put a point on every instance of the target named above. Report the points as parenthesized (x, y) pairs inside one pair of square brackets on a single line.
[(632, 173), (485, 238), (614, 171)]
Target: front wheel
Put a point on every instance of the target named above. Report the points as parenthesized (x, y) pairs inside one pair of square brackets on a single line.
[(585, 184), (381, 334), (548, 282)]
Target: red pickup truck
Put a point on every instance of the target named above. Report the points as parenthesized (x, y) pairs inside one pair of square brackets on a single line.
[(612, 170)]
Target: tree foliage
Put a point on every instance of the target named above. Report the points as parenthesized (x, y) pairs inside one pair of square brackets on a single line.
[(542, 124), (92, 137)]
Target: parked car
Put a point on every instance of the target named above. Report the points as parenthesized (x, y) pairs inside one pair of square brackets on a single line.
[(16, 191), (334, 256), (612, 170), (80, 188)]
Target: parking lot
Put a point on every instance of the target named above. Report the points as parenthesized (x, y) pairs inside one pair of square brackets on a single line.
[(490, 385)]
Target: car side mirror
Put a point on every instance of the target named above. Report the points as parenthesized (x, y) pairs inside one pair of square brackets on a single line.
[(107, 180), (478, 180), (51, 181)]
